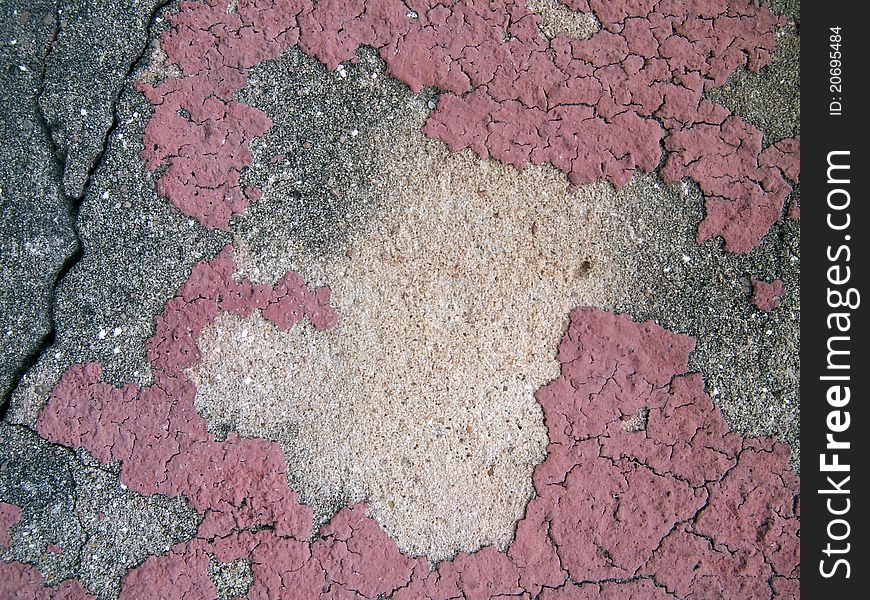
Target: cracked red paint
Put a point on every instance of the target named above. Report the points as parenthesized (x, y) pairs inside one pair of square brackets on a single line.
[(162, 443), (642, 589), (767, 295), (601, 107), (199, 133), (356, 555), (743, 199), (675, 507), (9, 515), (25, 582), (786, 156), (180, 573)]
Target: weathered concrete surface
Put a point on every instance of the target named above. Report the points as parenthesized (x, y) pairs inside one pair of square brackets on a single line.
[(64, 65), (77, 520), (55, 121), (36, 236), (628, 418), (618, 498), (136, 251), (95, 46)]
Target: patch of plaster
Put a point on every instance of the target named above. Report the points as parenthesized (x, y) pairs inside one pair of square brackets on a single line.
[(420, 400)]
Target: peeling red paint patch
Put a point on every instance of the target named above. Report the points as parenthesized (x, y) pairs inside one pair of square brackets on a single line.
[(357, 556), (180, 574), (743, 198), (767, 295), (199, 133), (10, 515), (25, 582), (641, 589), (684, 476), (786, 156), (592, 108), (674, 506)]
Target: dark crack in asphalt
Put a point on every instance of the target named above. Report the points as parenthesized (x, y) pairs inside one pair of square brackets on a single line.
[(136, 250), (36, 233), (68, 70)]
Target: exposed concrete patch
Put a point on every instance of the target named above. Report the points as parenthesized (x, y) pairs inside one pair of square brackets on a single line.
[(77, 521), (558, 19), (67, 91), (231, 579), (449, 310), (637, 421), (319, 166)]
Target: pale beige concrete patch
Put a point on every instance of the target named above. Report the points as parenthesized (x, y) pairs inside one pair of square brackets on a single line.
[(451, 306)]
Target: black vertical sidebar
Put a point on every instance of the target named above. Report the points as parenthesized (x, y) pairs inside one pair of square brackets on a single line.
[(835, 368)]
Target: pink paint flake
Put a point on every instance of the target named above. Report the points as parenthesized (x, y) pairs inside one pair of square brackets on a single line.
[(199, 133), (10, 515), (25, 582), (766, 296)]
